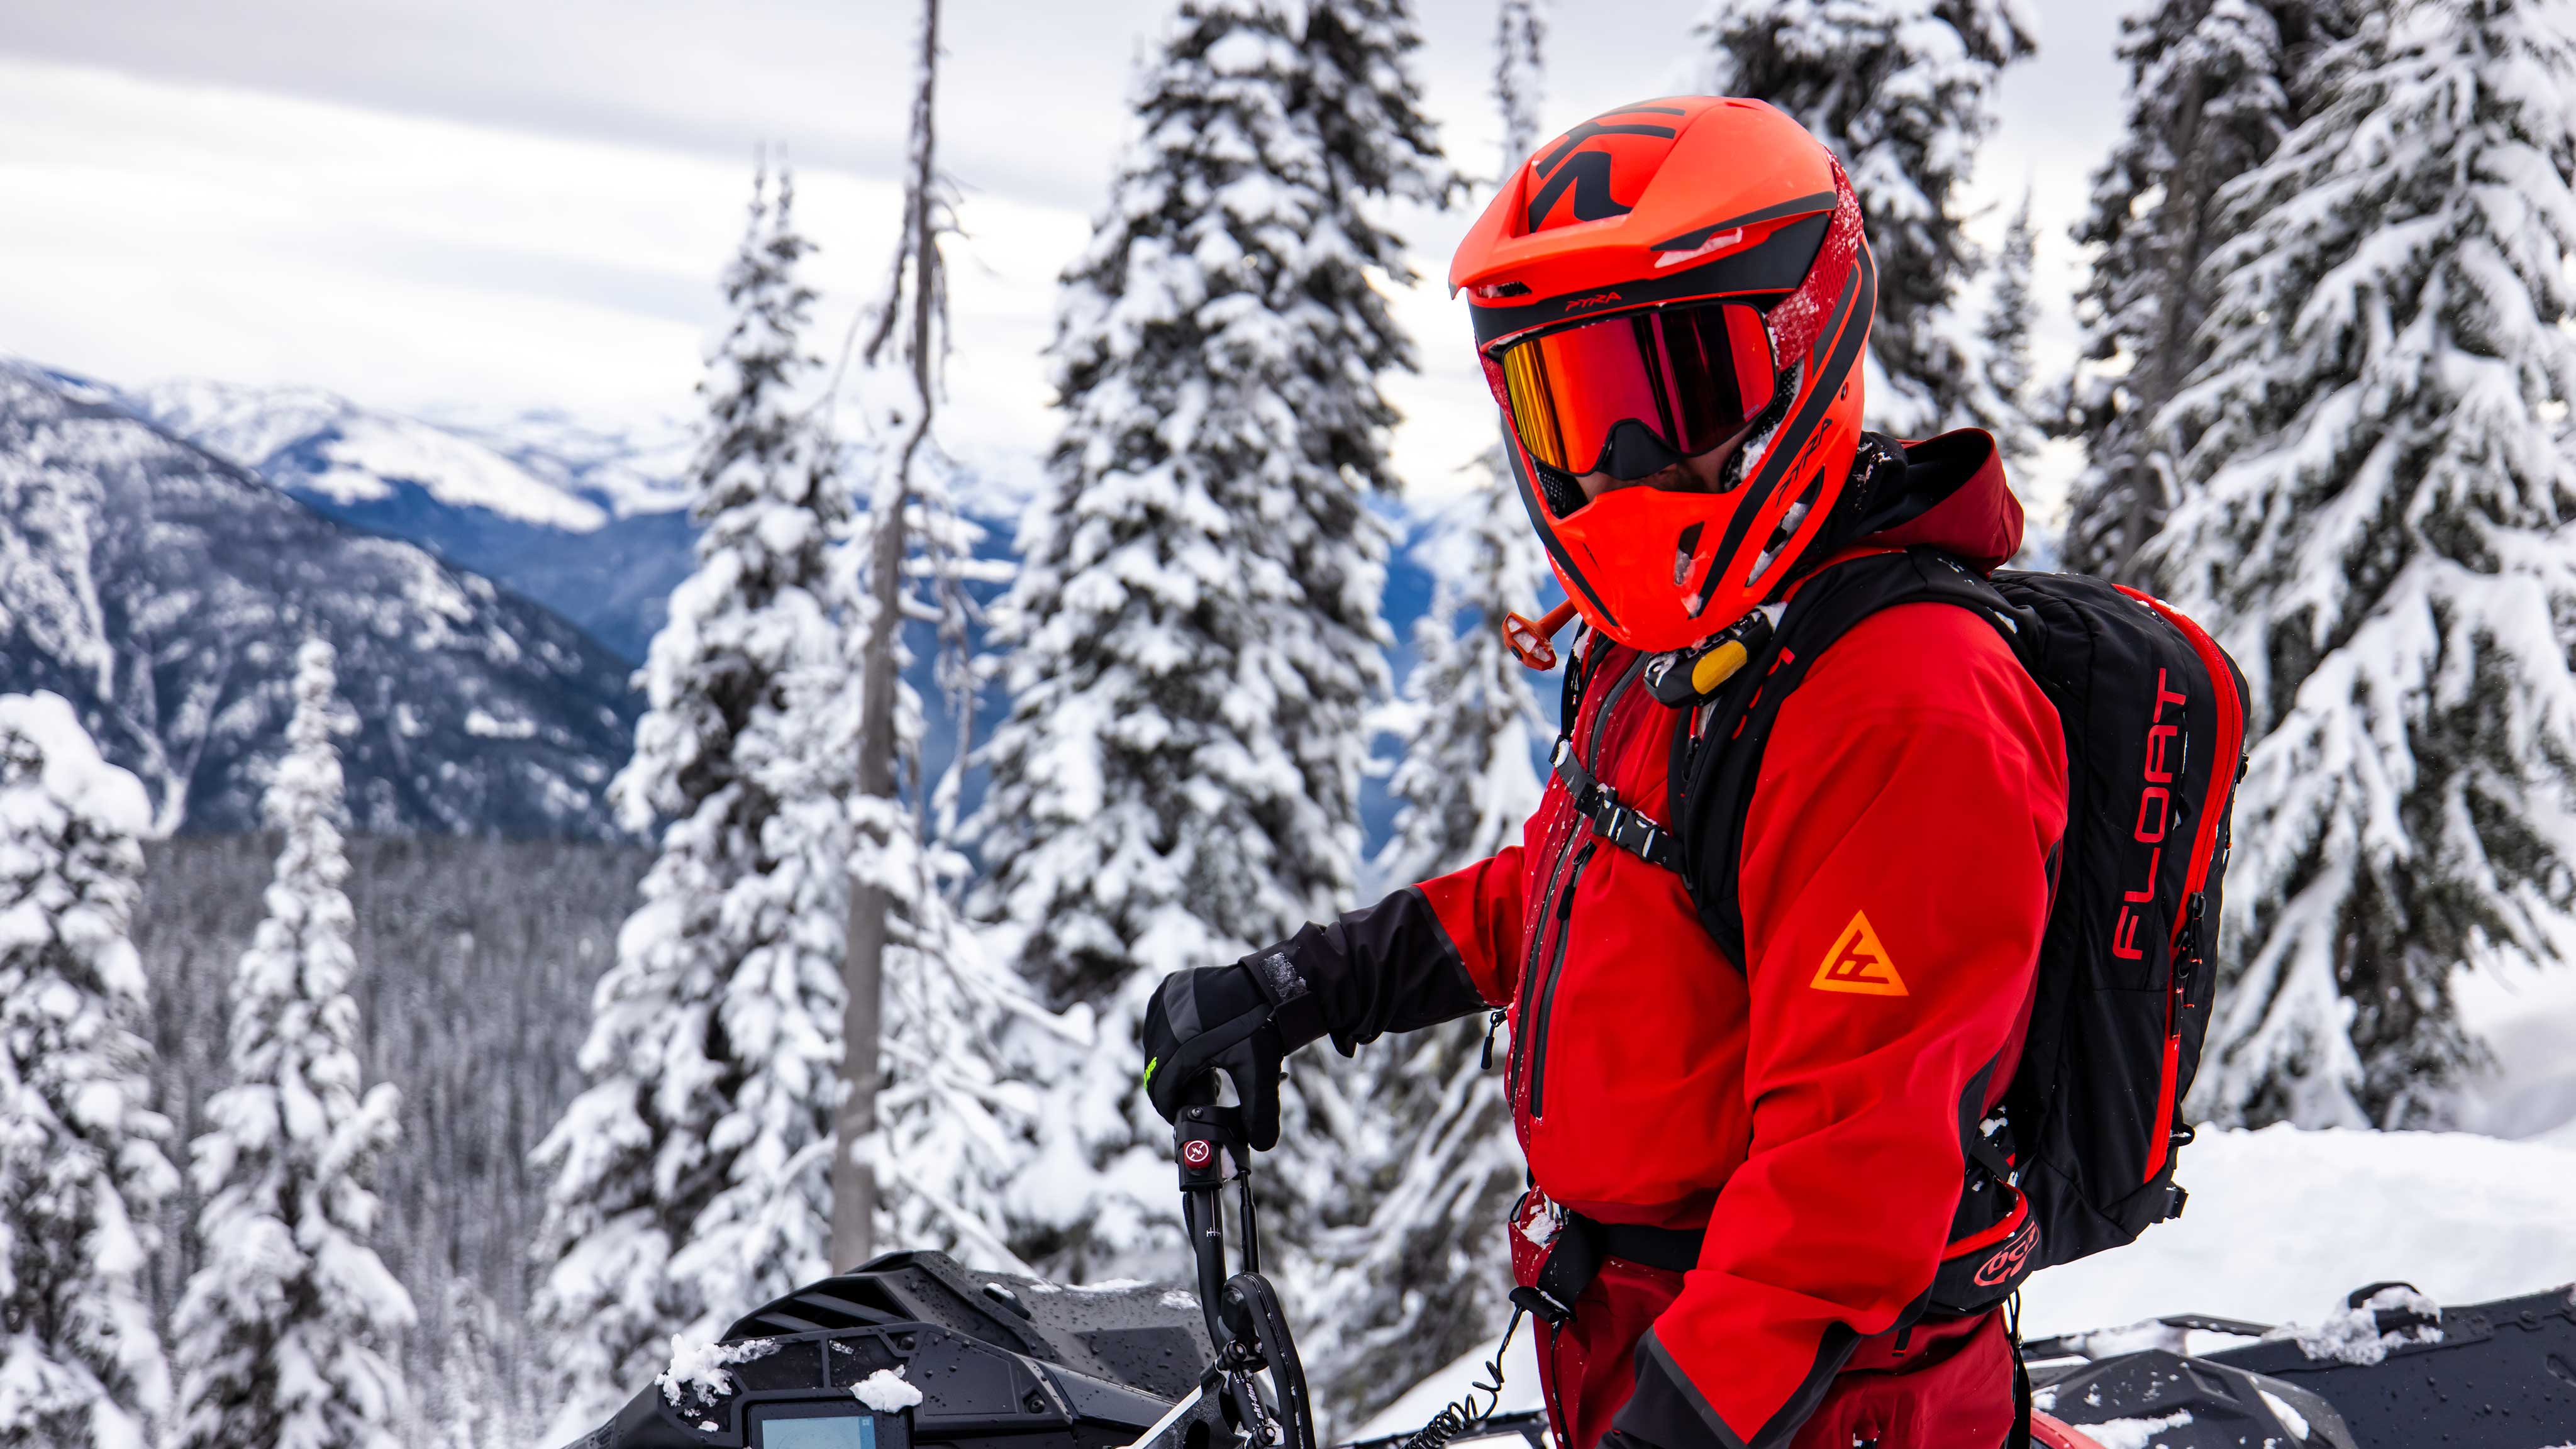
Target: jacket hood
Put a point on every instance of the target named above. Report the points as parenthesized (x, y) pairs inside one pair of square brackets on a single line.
[(1948, 492)]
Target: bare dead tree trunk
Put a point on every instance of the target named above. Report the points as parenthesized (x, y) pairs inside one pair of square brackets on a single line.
[(854, 1178)]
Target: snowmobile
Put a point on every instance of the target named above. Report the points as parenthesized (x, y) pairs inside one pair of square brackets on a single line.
[(913, 1351)]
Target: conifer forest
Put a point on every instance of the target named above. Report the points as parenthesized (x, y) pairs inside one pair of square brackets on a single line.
[(495, 886)]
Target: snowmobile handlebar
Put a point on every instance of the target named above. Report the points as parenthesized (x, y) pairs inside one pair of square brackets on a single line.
[(1206, 1140), (1245, 1323)]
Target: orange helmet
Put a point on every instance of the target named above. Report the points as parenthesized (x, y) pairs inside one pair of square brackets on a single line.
[(1661, 282)]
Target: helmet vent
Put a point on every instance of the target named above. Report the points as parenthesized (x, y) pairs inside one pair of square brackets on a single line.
[(1785, 530), (1763, 431), (1683, 548)]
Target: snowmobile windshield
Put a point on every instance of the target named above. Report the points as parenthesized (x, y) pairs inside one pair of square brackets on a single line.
[(1633, 394)]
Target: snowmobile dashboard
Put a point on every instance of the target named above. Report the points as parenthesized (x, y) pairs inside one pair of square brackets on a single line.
[(912, 1351)]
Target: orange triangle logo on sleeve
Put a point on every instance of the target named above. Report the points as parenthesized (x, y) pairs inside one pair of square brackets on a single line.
[(1858, 963)]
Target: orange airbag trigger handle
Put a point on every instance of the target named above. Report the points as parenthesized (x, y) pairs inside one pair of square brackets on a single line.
[(1532, 642)]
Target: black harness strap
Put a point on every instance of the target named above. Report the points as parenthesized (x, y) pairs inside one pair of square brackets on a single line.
[(1622, 824), (1583, 1244), (1717, 753), (1714, 763)]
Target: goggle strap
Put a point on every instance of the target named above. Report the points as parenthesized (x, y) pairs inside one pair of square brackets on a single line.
[(1800, 317)]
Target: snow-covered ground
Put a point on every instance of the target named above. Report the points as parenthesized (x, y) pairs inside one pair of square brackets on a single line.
[(2282, 1224), (1419, 1403), (2527, 1018)]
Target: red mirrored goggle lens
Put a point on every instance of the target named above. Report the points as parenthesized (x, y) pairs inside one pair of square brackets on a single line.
[(1693, 376)]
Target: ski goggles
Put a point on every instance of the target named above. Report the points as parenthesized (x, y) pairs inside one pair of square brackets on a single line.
[(1633, 394)]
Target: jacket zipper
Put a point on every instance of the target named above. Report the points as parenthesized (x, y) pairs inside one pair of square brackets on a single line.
[(1576, 670), (1530, 977), (1609, 705), (1547, 992), (1561, 904)]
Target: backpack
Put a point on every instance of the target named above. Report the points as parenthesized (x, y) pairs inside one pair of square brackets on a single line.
[(2080, 1155)]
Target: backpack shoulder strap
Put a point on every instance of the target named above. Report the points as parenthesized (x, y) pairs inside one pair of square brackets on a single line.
[(1717, 751)]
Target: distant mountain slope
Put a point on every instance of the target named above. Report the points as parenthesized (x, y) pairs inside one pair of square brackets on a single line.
[(590, 523), (163, 591)]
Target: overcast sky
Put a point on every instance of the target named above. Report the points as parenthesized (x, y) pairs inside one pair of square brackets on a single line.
[(504, 204)]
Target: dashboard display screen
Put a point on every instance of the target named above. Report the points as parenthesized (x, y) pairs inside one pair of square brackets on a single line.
[(795, 1428)]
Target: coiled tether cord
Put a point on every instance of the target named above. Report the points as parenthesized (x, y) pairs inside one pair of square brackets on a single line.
[(1460, 1416)]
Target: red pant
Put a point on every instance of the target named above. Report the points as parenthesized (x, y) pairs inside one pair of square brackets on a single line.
[(1951, 1387)]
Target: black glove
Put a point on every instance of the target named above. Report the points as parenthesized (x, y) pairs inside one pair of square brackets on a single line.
[(1242, 1020)]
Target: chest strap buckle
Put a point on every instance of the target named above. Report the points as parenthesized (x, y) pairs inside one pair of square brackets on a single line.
[(1623, 825)]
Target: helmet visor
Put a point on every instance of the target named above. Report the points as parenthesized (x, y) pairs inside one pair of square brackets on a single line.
[(1634, 394)]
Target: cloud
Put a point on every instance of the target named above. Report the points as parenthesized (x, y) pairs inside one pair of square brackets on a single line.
[(493, 204)]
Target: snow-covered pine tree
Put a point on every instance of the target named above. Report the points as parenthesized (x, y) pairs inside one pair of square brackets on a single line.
[(964, 1044), (691, 1178), (965, 1051), (2009, 309), (1468, 720), (952, 1117), (287, 1329), (2213, 87), (2375, 522), (1417, 1262), (1194, 632), (1417, 1265), (1364, 106), (82, 1174), (909, 341), (1901, 90), (1520, 76), (472, 1408)]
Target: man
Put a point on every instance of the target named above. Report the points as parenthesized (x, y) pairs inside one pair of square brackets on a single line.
[(1747, 1174)]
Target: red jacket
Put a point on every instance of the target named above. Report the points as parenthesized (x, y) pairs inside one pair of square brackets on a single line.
[(1806, 1106)]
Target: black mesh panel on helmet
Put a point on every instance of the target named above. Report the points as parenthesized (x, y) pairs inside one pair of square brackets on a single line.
[(1558, 487)]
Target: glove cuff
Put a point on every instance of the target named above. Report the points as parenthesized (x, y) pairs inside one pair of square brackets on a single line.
[(1295, 1011), (1668, 1410)]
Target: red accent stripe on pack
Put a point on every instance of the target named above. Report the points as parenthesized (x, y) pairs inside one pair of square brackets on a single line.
[(2010, 1225), (2204, 849)]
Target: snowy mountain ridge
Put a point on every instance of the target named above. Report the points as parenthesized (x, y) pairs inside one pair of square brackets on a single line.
[(558, 473), (163, 591), (627, 471), (587, 519), (590, 521)]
